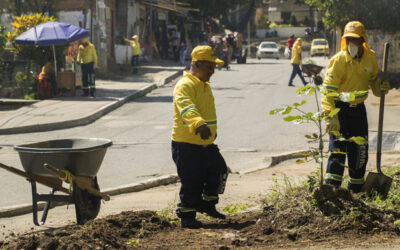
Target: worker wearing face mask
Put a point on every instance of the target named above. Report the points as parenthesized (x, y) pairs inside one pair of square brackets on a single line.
[(352, 69)]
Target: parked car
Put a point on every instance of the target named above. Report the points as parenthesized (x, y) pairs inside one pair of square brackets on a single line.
[(268, 50), (319, 46)]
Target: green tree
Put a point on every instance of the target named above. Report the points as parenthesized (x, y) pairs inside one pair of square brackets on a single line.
[(213, 8), (382, 14), (49, 7)]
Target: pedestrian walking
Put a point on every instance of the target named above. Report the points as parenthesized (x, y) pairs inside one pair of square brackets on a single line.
[(182, 53), (135, 46), (87, 57), (354, 68), (296, 62), (201, 168)]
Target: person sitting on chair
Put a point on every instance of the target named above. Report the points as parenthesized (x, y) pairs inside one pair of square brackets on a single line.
[(48, 73)]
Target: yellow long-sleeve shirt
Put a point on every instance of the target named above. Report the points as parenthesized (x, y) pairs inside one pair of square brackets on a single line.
[(193, 106), (135, 46), (345, 74), (87, 54), (296, 53)]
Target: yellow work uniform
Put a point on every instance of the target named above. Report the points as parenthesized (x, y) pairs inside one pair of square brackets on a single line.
[(135, 45), (345, 74), (296, 52), (193, 106), (87, 54)]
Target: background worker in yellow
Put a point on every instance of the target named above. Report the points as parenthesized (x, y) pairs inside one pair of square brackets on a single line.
[(296, 62), (201, 168), (354, 68), (87, 57), (135, 46)]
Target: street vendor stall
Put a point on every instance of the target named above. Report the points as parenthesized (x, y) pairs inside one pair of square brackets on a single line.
[(51, 34)]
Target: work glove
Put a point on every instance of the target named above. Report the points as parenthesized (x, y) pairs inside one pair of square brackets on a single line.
[(332, 124), (385, 86), (204, 131)]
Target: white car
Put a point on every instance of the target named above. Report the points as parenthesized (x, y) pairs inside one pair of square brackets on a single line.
[(268, 50)]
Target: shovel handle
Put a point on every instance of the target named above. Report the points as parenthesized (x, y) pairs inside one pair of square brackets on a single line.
[(381, 110)]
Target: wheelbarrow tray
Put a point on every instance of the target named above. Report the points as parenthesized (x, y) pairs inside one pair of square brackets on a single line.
[(311, 69), (80, 156)]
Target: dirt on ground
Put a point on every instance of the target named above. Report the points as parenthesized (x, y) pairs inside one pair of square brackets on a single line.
[(325, 217)]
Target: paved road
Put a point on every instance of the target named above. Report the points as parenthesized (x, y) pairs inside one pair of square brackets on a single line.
[(140, 129)]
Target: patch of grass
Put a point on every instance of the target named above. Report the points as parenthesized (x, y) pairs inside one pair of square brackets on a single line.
[(235, 208), (169, 211)]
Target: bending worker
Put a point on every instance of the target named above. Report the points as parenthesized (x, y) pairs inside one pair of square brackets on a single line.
[(354, 68), (87, 57), (296, 62), (135, 46), (201, 168)]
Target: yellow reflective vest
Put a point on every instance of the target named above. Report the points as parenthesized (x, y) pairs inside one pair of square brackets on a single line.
[(87, 54), (193, 106), (296, 54), (345, 74)]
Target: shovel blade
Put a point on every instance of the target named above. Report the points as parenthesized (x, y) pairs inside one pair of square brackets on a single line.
[(379, 182)]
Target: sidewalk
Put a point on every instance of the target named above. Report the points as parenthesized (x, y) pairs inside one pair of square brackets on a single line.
[(70, 111)]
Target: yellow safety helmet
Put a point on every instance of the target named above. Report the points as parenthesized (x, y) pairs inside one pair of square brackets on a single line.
[(354, 29)]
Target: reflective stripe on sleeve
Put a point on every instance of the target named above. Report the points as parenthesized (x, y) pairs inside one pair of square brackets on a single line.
[(211, 122), (330, 87), (187, 109)]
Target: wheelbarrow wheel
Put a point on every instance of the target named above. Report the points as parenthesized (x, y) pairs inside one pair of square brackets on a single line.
[(87, 206)]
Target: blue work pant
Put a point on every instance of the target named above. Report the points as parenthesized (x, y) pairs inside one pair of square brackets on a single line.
[(135, 63), (353, 122), (296, 71), (88, 78), (199, 169)]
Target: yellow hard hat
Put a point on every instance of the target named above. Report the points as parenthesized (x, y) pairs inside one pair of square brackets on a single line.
[(205, 53), (84, 40), (135, 37), (354, 29)]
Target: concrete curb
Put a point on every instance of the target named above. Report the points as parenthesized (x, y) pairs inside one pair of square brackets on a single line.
[(274, 160), (91, 117), (137, 187)]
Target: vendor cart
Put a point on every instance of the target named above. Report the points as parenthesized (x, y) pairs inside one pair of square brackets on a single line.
[(74, 161)]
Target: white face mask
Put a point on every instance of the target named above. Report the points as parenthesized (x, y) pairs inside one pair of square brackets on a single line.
[(352, 49)]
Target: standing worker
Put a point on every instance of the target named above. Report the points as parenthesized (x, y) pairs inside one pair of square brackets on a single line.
[(296, 62), (201, 168), (354, 68), (87, 57), (135, 46)]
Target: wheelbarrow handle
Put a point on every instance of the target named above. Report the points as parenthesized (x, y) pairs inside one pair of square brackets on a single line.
[(381, 110), (80, 181)]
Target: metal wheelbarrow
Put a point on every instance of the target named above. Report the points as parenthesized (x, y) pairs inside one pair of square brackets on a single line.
[(75, 161), (312, 71)]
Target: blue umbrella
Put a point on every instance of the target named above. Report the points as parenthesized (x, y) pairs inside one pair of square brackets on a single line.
[(51, 33)]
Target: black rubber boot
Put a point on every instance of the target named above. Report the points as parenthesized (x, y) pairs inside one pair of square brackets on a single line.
[(188, 219), (209, 209)]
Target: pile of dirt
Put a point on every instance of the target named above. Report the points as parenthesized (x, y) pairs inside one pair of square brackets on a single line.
[(299, 219)]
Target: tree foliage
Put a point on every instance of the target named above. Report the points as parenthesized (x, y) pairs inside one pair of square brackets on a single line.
[(382, 14), (213, 8), (22, 24), (48, 7)]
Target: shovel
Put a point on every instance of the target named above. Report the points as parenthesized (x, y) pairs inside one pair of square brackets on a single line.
[(378, 181)]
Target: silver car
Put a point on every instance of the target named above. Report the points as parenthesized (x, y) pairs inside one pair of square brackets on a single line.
[(268, 50)]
